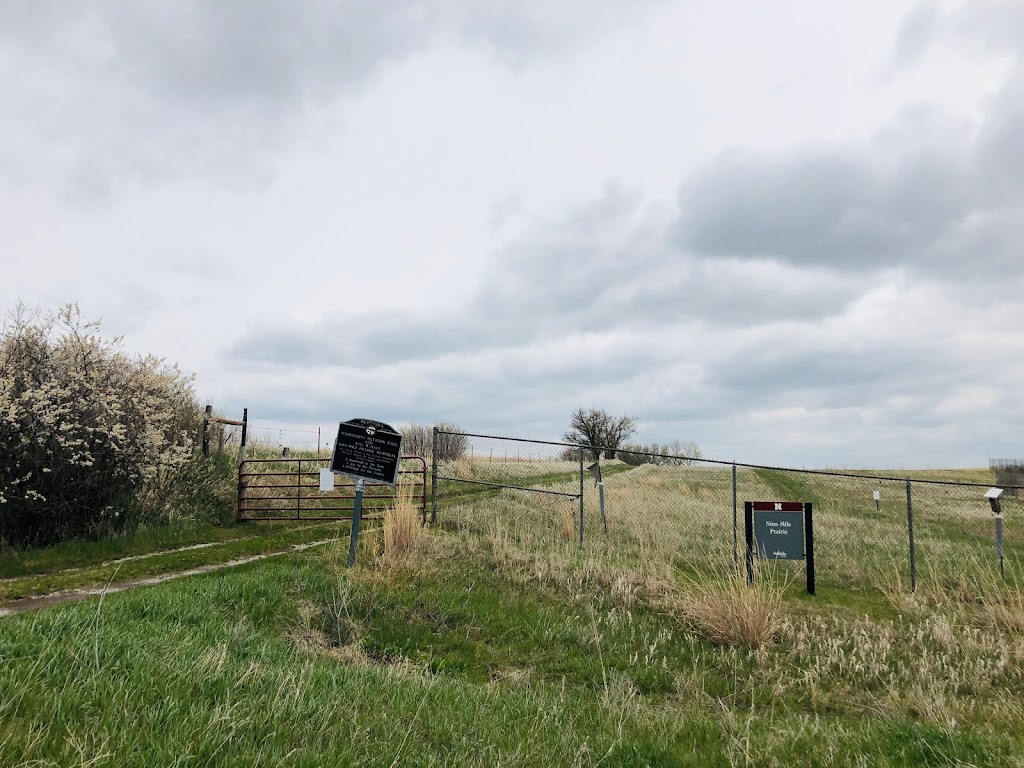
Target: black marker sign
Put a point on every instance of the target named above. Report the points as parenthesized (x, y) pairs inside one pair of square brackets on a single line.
[(367, 449)]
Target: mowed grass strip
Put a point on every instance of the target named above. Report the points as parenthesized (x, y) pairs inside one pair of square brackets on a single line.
[(256, 541), (149, 540)]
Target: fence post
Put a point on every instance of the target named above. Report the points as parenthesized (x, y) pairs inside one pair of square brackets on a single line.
[(433, 477), (748, 536), (245, 431), (910, 536), (206, 430), (735, 543), (581, 498)]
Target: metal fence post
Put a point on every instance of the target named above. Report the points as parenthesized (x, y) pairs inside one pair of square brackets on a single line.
[(910, 537), (245, 432), (581, 498), (735, 543), (433, 477)]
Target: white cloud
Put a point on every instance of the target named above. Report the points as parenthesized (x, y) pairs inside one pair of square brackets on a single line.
[(793, 242)]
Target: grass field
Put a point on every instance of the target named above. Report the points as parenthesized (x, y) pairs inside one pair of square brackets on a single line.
[(493, 639)]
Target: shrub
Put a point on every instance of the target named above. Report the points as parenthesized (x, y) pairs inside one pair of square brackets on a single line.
[(85, 429)]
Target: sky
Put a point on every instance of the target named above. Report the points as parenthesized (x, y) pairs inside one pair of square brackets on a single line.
[(790, 232)]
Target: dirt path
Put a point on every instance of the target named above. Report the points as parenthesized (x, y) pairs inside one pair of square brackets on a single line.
[(32, 603), (147, 555)]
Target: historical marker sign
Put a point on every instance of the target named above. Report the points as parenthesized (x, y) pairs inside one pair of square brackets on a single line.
[(368, 450), (779, 530)]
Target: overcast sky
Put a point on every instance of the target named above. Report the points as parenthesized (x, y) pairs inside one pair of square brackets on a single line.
[(791, 232)]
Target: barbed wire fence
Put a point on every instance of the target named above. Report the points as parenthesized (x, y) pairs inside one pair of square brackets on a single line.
[(870, 529)]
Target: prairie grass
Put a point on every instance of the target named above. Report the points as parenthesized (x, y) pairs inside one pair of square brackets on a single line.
[(500, 642), (728, 611), (402, 526)]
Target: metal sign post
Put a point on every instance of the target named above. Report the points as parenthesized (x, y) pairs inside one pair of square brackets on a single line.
[(595, 470), (367, 451), (993, 494), (357, 513)]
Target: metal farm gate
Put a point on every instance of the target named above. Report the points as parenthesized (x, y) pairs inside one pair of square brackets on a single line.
[(289, 489)]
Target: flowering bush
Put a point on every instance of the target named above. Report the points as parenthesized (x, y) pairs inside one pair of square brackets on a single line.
[(87, 432)]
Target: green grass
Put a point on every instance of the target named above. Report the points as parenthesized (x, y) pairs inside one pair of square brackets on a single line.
[(246, 541), (501, 642), (454, 662), (79, 554)]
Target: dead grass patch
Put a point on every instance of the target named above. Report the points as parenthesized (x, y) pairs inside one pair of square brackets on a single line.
[(728, 611), (402, 529)]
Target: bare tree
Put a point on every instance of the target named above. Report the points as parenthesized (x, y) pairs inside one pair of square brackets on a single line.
[(596, 427), (678, 454), (452, 443), (416, 440)]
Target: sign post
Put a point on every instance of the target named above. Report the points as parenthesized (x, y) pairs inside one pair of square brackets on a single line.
[(780, 530), (993, 495), (367, 451), (595, 470)]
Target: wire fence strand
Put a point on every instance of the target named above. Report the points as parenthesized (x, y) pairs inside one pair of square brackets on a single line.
[(882, 530)]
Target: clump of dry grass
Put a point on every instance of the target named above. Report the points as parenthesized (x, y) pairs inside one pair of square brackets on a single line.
[(976, 590), (731, 612), (996, 599), (568, 525), (402, 527)]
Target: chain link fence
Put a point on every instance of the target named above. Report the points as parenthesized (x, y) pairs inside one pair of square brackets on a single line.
[(871, 530)]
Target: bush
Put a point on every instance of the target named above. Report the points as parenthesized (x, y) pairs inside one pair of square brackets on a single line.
[(91, 439), (418, 440), (451, 442), (676, 454)]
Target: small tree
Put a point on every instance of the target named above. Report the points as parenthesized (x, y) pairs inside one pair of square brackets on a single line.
[(596, 427)]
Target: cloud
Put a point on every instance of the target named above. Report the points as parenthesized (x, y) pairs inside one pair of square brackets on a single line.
[(604, 265), (916, 34), (978, 26), (110, 92), (929, 192), (925, 193)]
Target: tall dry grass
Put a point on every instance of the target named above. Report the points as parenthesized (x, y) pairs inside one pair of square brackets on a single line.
[(403, 529), (728, 611)]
